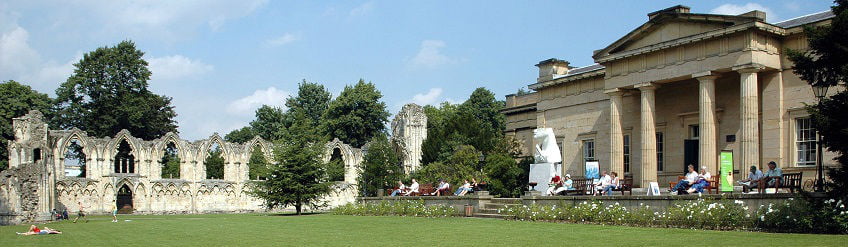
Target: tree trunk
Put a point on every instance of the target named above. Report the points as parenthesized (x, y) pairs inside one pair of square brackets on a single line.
[(297, 205)]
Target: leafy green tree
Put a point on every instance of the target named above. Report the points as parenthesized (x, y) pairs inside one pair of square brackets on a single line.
[(108, 92), (258, 165), (312, 98), (76, 157), (240, 136), (825, 63), (170, 162), (357, 115), (17, 100), (476, 122), (269, 123), (381, 167), (214, 163), (504, 176), (299, 178), (335, 168), (460, 166)]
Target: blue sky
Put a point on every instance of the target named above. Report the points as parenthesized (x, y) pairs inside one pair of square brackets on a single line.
[(220, 60)]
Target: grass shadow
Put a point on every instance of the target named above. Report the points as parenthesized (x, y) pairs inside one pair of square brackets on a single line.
[(295, 214)]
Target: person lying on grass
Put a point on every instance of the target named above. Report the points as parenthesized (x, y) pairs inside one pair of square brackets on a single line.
[(33, 230)]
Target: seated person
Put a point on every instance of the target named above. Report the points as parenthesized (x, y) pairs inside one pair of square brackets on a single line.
[(568, 183), (555, 186), (462, 190), (442, 189), (413, 188), (691, 178), (770, 178), (33, 230), (602, 183), (401, 188), (613, 184), (702, 182), (751, 182)]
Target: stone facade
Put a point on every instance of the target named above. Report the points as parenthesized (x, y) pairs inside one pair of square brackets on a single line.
[(35, 182), (676, 90), (409, 130)]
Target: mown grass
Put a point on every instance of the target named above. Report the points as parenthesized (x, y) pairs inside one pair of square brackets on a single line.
[(340, 230)]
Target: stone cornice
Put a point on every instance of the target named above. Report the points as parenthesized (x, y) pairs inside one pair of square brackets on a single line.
[(693, 38), (517, 109), (561, 80)]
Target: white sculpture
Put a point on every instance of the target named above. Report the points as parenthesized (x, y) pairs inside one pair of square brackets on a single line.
[(546, 146)]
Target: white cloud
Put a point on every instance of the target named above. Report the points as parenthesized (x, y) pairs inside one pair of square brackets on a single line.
[(362, 9), (20, 62), (283, 40), (734, 9), (430, 54), (248, 105), (429, 98), (176, 67)]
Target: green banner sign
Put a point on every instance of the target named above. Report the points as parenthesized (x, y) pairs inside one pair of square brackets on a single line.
[(726, 177)]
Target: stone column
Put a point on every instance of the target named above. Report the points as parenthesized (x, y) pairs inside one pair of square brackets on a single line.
[(616, 135), (649, 138), (749, 117), (707, 154)]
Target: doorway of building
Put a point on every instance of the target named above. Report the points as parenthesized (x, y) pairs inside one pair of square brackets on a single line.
[(690, 154), (125, 200)]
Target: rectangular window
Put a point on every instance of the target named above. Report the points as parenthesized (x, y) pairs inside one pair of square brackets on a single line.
[(626, 153), (694, 132), (660, 148), (805, 142), (589, 150)]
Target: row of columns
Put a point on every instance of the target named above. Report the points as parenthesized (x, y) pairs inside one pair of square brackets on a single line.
[(708, 145)]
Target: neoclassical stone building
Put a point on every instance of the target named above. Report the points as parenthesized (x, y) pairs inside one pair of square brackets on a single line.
[(126, 171), (678, 90)]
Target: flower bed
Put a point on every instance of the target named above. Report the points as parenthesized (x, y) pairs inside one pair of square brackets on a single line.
[(397, 208)]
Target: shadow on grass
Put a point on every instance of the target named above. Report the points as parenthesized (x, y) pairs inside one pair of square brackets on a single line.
[(295, 214)]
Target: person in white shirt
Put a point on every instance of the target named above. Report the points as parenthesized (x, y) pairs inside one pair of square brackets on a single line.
[(462, 190), (413, 188), (401, 188), (442, 189), (751, 182), (684, 184), (703, 182), (614, 184), (603, 182)]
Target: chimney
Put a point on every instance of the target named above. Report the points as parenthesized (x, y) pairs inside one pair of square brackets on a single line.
[(552, 68), (761, 16), (675, 9)]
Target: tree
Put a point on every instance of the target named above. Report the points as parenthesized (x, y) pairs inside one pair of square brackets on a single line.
[(258, 165), (460, 166), (505, 176), (108, 92), (476, 122), (269, 123), (381, 167), (17, 100), (240, 136), (299, 178), (312, 98), (357, 115), (214, 163), (825, 63)]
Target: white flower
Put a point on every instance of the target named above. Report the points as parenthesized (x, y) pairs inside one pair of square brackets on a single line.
[(763, 218)]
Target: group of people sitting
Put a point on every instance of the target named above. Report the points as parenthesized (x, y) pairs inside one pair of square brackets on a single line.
[(442, 189), (693, 182), (606, 184), (755, 177)]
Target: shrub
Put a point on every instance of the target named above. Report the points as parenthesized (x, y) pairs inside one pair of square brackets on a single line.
[(397, 208)]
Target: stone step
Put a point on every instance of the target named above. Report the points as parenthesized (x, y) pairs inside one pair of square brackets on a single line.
[(488, 215), (507, 200), (500, 205), (488, 210)]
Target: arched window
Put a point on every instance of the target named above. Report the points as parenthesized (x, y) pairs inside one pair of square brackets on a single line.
[(124, 160), (170, 161), (214, 162), (75, 159), (257, 166), (335, 168)]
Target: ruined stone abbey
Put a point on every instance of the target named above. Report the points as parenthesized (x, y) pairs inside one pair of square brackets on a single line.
[(126, 171)]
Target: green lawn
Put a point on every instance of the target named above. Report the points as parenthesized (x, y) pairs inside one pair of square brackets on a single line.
[(325, 229)]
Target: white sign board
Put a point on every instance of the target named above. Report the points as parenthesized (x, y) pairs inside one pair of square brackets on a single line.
[(654, 189), (542, 173)]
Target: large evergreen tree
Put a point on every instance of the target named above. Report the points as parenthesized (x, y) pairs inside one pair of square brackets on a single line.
[(357, 115), (381, 167), (15, 101), (108, 92), (298, 179), (825, 63)]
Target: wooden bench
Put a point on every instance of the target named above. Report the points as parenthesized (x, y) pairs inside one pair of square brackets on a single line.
[(579, 187), (626, 185), (711, 188), (787, 180)]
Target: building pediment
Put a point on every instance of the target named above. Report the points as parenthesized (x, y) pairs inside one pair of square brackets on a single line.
[(675, 23)]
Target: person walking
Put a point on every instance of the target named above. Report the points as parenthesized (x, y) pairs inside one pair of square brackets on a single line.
[(80, 213)]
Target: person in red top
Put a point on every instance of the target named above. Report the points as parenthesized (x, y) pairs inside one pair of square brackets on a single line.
[(33, 230), (555, 186)]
